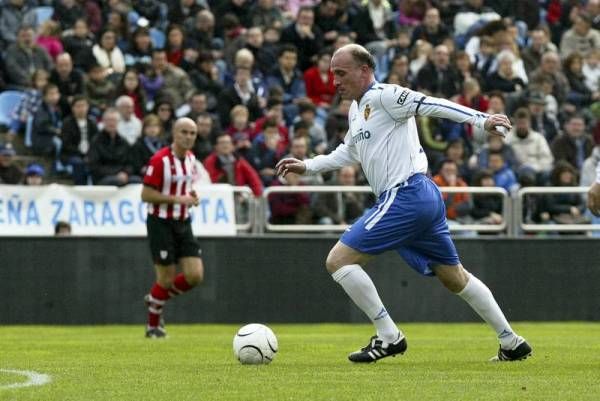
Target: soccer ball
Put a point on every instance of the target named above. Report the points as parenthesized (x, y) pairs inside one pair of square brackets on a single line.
[(255, 344)]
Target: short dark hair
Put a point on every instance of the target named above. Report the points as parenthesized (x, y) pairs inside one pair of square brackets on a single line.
[(79, 98), (270, 123), (522, 113), (288, 47), (60, 225), (362, 56)]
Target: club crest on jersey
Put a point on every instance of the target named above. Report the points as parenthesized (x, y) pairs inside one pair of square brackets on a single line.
[(367, 111)]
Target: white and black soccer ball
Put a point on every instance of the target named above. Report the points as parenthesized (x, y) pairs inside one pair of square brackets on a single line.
[(255, 344)]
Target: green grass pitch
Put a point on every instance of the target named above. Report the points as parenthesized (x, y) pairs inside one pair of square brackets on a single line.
[(443, 362)]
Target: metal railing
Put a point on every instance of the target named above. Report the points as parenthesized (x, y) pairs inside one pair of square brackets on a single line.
[(264, 213), (520, 224)]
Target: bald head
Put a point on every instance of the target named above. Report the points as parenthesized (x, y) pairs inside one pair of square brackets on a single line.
[(183, 122), (184, 135), (359, 55)]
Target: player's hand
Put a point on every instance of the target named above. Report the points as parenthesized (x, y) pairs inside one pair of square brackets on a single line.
[(189, 200), (497, 120), (290, 165), (593, 199)]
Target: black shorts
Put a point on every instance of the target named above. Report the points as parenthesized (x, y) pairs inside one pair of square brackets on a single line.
[(171, 240)]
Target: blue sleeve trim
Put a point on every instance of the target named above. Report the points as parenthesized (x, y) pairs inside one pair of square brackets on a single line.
[(448, 107), (420, 102)]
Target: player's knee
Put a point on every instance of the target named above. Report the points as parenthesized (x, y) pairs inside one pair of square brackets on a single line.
[(332, 263), (194, 278)]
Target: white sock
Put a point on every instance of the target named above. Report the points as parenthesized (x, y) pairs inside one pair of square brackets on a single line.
[(358, 285), (480, 298)]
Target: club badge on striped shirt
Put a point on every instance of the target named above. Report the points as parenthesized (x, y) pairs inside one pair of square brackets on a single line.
[(367, 111)]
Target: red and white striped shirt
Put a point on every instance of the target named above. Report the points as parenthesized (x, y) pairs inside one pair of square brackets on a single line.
[(171, 176)]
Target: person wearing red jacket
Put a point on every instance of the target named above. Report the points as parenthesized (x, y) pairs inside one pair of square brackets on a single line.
[(223, 166)]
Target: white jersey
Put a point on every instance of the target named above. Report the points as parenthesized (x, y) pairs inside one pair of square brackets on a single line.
[(383, 137)]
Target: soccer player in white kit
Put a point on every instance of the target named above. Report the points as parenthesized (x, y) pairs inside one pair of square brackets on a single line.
[(593, 201), (409, 216)]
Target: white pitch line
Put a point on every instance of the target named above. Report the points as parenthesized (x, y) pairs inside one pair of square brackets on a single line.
[(33, 378)]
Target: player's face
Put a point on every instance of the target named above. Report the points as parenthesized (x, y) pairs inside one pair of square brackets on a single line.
[(348, 76), (185, 135)]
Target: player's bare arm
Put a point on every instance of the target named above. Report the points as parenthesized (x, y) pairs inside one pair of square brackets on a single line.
[(151, 195)]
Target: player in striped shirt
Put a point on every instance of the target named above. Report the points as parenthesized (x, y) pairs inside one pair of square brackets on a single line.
[(168, 190)]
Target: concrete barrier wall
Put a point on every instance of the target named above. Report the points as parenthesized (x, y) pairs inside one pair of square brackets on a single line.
[(283, 279)]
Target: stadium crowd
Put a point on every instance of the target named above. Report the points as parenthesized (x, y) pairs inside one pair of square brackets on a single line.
[(103, 81)]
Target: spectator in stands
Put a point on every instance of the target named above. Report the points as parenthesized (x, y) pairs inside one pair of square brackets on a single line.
[(540, 120), (458, 205), (177, 84), (591, 70), (175, 44), (289, 208), (504, 176), (116, 21), (336, 124), (109, 155), (487, 208), (243, 58), (534, 158), (108, 54), (240, 124), (78, 43), (299, 149), (224, 167), (62, 229), (485, 57), (438, 77), (456, 151), (196, 105), (129, 126), (130, 86), (152, 139), (150, 10), (99, 90), (539, 43), (78, 132), (581, 38), (331, 18), (318, 81), (139, 51), (204, 139), (317, 136), (183, 12), (340, 207), (70, 81), (34, 175), (163, 108), (47, 126), (10, 173), (566, 208), (290, 79), (23, 57), (399, 73), (67, 12), (13, 14), (28, 105), (305, 36), (267, 150), (463, 65), (265, 58), (241, 92), (265, 13), (550, 67), (202, 34), (274, 112), (205, 78), (494, 144), (575, 145), (579, 93), (48, 38), (505, 79), (432, 29)]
